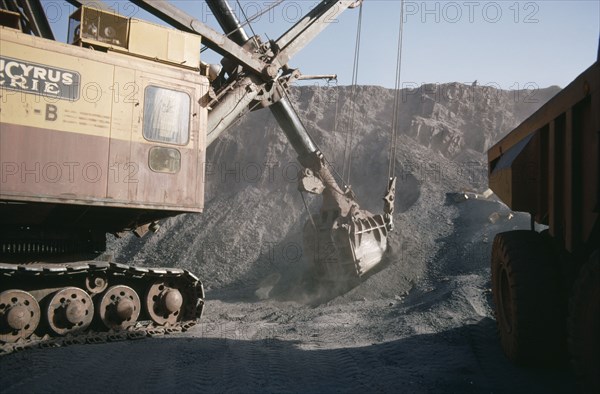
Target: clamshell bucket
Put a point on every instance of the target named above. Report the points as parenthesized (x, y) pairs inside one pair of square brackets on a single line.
[(366, 242), (343, 249), (344, 242)]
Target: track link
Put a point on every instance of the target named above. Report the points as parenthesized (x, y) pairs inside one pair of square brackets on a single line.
[(49, 304)]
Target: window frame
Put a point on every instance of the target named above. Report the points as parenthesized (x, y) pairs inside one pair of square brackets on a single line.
[(189, 120)]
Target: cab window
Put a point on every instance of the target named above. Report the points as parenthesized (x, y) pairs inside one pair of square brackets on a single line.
[(166, 115)]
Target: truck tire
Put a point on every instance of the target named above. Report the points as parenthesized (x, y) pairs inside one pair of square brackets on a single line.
[(584, 326), (526, 293)]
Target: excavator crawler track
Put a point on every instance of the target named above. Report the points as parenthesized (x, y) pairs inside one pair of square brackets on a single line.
[(51, 305)]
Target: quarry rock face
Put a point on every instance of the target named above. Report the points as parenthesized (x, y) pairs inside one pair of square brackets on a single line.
[(251, 228), (454, 117), (447, 118)]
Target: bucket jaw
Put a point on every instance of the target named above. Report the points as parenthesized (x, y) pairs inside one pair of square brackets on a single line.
[(343, 242)]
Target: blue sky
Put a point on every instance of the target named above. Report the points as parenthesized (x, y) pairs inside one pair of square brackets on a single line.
[(508, 44)]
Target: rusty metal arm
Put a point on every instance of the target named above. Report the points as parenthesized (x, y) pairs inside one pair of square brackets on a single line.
[(313, 23), (282, 110), (38, 23), (329, 77), (226, 18), (31, 15), (292, 126), (234, 104)]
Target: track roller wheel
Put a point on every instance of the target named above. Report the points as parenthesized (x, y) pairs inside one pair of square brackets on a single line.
[(164, 303), (119, 307), (526, 293), (19, 315), (70, 310), (96, 283), (584, 326)]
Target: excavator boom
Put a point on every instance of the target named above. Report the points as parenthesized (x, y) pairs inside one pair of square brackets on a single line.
[(342, 241)]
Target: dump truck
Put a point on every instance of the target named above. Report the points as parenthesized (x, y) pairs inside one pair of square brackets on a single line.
[(107, 133), (546, 280)]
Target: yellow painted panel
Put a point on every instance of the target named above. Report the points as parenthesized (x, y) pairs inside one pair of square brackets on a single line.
[(164, 44), (121, 169), (51, 90), (92, 122), (126, 95)]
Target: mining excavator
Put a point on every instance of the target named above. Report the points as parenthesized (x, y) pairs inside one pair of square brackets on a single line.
[(107, 133)]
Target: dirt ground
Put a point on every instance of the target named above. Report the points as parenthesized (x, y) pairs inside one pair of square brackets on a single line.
[(417, 345)]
